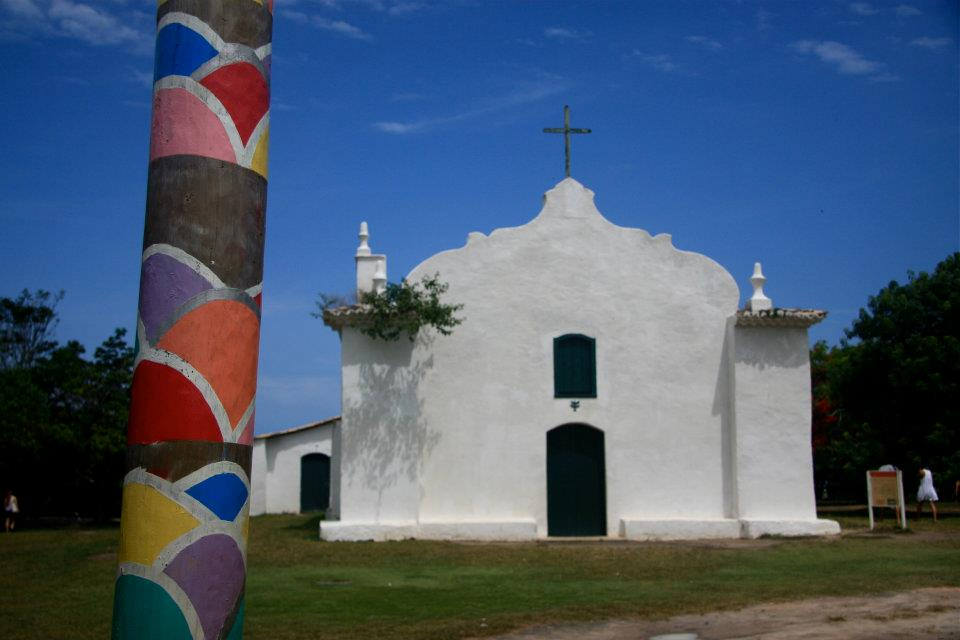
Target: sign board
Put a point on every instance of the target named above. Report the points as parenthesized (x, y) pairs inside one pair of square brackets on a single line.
[(885, 489)]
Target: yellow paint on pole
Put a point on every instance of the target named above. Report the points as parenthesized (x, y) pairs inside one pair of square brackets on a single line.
[(259, 163), (149, 522)]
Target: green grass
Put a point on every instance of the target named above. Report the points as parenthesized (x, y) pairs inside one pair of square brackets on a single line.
[(58, 583)]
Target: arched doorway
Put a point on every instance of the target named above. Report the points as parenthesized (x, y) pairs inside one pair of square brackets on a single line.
[(314, 482), (576, 481)]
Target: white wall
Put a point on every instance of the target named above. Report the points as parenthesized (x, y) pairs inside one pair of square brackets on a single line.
[(380, 442), (276, 467), (258, 478), (773, 418), (453, 429)]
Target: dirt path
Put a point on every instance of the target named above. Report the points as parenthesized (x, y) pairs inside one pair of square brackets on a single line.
[(923, 614)]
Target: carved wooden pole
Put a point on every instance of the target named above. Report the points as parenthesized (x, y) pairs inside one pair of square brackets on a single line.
[(183, 530)]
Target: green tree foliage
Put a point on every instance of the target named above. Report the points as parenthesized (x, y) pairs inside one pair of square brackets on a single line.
[(27, 323), (401, 309), (892, 386), (62, 416)]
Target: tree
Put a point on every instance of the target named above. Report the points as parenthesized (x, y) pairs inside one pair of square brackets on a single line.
[(62, 416), (894, 382), (400, 309), (26, 327)]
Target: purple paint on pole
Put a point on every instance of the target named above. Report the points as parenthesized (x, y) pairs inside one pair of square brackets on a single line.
[(211, 572), (165, 284)]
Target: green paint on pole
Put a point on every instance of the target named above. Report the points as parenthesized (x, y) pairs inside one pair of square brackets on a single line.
[(142, 609), (236, 632)]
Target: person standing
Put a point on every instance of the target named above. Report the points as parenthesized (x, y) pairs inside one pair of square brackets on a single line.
[(10, 511), (926, 492)]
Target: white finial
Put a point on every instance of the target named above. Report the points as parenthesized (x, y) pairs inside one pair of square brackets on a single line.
[(380, 276), (758, 301), (364, 248)]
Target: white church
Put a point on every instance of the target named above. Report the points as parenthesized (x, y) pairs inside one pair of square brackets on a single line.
[(602, 383)]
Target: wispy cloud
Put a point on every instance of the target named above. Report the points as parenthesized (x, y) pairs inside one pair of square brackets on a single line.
[(532, 92), (402, 8), (340, 27), (91, 24), (907, 10), (706, 42), (143, 78), (23, 8), (844, 59), (562, 33), (863, 9), (296, 16), (278, 104), (392, 7), (400, 127), (659, 61), (931, 43)]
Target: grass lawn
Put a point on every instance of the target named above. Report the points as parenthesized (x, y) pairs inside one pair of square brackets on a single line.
[(58, 583)]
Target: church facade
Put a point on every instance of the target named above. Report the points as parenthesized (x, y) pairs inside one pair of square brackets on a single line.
[(602, 383)]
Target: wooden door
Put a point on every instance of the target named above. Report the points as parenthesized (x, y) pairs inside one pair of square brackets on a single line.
[(314, 482), (576, 481)]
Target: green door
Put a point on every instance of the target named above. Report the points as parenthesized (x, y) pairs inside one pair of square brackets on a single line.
[(576, 482), (314, 482)]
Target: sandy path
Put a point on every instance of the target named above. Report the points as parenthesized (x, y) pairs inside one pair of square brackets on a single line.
[(923, 614)]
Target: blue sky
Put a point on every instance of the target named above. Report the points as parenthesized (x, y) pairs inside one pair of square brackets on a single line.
[(820, 138)]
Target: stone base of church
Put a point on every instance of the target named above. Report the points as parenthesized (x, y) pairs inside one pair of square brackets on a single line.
[(679, 529), (691, 529), (790, 528), (630, 529), (427, 530)]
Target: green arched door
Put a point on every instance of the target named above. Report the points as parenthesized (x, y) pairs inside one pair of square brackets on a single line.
[(576, 481), (314, 482)]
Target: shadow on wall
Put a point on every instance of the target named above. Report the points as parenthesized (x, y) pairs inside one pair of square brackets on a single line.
[(386, 434), (724, 407), (764, 347), (271, 456)]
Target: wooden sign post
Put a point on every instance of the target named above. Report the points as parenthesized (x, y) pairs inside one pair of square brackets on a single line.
[(885, 489)]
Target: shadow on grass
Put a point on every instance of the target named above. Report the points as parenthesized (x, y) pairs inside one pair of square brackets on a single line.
[(308, 524), (39, 523)]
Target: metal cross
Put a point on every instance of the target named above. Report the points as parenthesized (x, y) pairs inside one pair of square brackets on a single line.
[(566, 131)]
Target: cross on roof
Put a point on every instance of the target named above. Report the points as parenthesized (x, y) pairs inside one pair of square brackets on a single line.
[(566, 131)]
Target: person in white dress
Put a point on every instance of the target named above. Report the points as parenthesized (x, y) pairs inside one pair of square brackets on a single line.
[(10, 511), (926, 492)]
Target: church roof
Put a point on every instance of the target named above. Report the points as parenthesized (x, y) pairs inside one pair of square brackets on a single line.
[(348, 316), (780, 317), (303, 427)]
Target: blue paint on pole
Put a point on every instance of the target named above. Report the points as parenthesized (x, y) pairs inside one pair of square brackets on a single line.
[(224, 494), (180, 51)]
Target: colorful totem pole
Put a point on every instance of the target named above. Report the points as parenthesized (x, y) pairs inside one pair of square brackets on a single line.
[(183, 530)]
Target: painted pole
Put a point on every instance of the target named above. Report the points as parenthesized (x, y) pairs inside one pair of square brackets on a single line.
[(183, 529)]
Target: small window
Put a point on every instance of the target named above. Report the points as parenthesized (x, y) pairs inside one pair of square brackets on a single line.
[(574, 366)]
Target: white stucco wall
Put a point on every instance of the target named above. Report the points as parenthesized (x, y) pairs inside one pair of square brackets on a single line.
[(275, 473), (772, 409), (453, 429)]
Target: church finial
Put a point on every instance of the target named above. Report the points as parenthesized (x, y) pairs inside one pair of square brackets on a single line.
[(364, 235), (758, 301), (566, 131), (371, 267)]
